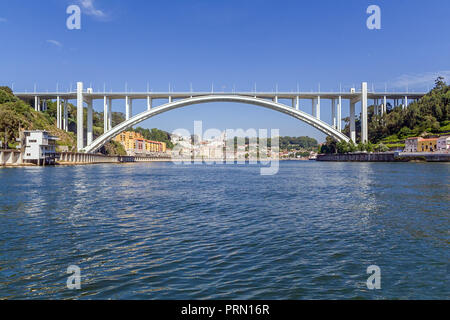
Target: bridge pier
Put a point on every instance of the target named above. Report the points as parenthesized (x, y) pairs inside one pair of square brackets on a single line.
[(333, 113), (318, 108), (66, 117), (80, 135), (58, 113), (109, 114), (128, 107), (61, 114), (364, 130), (149, 103), (352, 122), (90, 135), (339, 114), (105, 114), (37, 103)]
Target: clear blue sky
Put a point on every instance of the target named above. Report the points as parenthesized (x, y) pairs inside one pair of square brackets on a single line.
[(226, 43)]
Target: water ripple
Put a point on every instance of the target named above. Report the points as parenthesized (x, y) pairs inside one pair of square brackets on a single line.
[(165, 231)]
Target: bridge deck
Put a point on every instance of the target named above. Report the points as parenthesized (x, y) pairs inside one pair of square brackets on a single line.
[(183, 95)]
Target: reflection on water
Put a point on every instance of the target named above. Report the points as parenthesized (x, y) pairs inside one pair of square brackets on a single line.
[(160, 231)]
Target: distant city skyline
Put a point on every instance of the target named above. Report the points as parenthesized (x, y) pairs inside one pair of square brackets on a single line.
[(271, 44)]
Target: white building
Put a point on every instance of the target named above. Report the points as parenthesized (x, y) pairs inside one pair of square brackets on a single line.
[(443, 143), (411, 144), (40, 146)]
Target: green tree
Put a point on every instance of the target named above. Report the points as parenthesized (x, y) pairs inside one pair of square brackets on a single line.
[(330, 146), (342, 147)]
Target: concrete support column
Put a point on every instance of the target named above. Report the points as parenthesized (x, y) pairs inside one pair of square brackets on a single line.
[(352, 122), (149, 103), (80, 136), (313, 107), (58, 112), (406, 103), (297, 103), (339, 114), (61, 114), (318, 108), (383, 111), (275, 99), (109, 114), (128, 108), (170, 99), (333, 114), (364, 128), (66, 117), (89, 123), (105, 114), (36, 103)]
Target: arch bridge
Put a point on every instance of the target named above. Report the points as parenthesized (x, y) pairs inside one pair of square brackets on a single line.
[(271, 100)]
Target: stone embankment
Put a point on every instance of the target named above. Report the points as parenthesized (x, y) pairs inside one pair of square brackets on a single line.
[(386, 157)]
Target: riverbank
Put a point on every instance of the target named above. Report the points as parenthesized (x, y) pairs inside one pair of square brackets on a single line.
[(14, 158), (386, 157)]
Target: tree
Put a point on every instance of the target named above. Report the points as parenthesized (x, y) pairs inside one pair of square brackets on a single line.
[(439, 83), (381, 148), (330, 146), (342, 147)]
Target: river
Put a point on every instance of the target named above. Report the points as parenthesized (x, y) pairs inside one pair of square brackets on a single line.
[(178, 231)]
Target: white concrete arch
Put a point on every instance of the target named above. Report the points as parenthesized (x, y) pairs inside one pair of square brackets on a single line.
[(300, 115)]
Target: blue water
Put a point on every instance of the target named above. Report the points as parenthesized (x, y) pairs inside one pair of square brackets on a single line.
[(166, 231)]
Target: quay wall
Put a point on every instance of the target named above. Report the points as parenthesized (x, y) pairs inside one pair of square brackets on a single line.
[(15, 158), (386, 157), (80, 158), (11, 157)]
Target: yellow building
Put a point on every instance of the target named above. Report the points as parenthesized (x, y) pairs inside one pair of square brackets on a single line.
[(427, 145), (127, 139), (163, 147), (155, 146), (134, 141)]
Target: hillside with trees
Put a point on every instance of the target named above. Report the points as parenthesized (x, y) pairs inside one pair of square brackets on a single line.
[(155, 135), (15, 114)]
